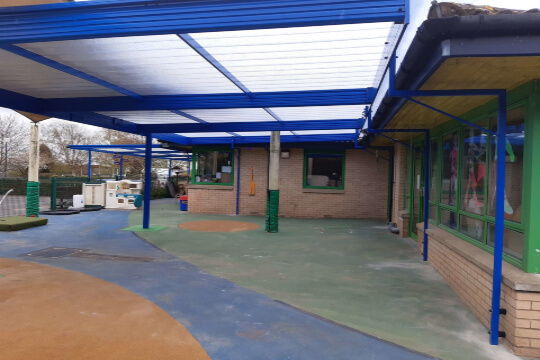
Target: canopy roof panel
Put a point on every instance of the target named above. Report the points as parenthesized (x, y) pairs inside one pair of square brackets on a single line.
[(192, 67), (146, 65), (158, 151)]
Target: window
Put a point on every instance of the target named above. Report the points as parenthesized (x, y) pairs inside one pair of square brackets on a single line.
[(512, 241), (213, 167), (464, 184), (473, 169), (515, 145), (324, 170), (450, 153)]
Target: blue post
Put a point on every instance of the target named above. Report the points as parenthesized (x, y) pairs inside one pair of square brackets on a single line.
[(238, 183), (427, 149), (89, 165), (147, 180), (499, 221), (170, 169), (121, 166)]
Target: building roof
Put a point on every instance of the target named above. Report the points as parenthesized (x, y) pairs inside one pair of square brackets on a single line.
[(496, 51)]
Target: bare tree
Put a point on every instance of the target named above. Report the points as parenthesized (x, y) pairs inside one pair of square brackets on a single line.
[(58, 135), (14, 130)]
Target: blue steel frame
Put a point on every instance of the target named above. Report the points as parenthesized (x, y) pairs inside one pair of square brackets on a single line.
[(89, 165), (147, 181), (500, 184), (106, 19), (102, 19)]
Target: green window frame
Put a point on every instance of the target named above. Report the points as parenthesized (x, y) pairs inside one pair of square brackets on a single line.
[(198, 178), (476, 230), (339, 180)]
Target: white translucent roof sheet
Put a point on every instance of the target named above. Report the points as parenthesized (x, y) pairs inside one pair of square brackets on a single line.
[(31, 78), (325, 132), (146, 65), (118, 150), (231, 115), (149, 117), (307, 58), (261, 133), (208, 134), (339, 112)]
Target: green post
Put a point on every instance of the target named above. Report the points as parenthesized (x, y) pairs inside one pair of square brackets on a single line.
[(531, 190), (32, 199), (272, 211)]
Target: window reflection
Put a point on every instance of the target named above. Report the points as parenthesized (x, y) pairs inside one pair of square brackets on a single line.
[(515, 145), (473, 174)]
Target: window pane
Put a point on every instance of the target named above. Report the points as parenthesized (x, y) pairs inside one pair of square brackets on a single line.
[(472, 227), (449, 219), (433, 213), (515, 143), (450, 151), (433, 195), (324, 170), (213, 167), (473, 173), (512, 241)]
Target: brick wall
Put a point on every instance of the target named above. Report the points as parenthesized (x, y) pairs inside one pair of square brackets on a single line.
[(365, 195), (468, 270)]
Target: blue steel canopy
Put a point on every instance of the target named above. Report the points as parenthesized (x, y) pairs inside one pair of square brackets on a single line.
[(158, 151), (201, 72)]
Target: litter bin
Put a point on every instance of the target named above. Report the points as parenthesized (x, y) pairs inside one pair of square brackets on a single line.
[(183, 202)]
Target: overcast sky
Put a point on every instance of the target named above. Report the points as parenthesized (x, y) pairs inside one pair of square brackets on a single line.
[(419, 10)]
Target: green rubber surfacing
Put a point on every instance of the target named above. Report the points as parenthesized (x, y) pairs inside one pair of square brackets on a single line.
[(151, 228), (350, 271), (15, 223)]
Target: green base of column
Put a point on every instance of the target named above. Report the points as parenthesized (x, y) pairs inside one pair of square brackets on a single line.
[(32, 199), (272, 211)]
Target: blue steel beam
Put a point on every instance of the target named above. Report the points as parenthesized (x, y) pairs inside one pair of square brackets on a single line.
[(214, 101), (254, 139), (147, 181), (253, 126), (16, 101), (199, 49), (68, 70), (102, 19), (191, 117), (94, 119)]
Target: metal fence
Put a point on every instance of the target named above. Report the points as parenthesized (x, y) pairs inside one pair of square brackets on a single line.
[(13, 196)]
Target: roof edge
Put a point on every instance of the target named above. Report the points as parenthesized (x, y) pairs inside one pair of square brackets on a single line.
[(420, 61)]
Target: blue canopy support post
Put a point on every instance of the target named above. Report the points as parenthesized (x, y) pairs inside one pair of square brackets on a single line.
[(500, 183), (89, 165), (238, 183), (170, 169), (147, 180), (121, 167), (427, 149), (499, 221)]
